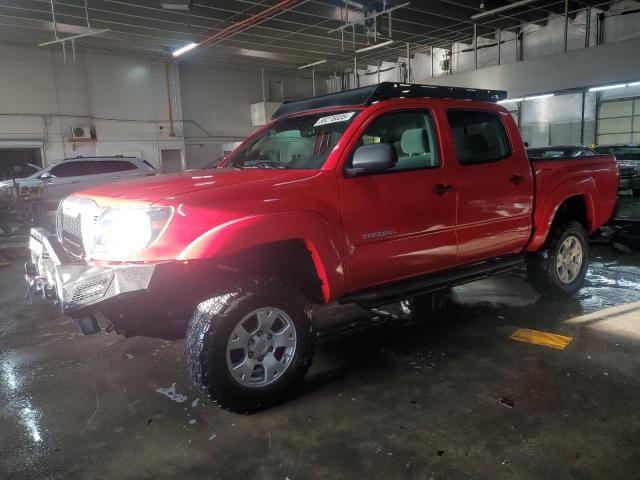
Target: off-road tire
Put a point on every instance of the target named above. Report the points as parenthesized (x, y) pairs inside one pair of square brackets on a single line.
[(426, 307), (214, 321), (542, 266)]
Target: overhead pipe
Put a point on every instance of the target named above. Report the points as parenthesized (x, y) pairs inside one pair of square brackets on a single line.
[(242, 25)]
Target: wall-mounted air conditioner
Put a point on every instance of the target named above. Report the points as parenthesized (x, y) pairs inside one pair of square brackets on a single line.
[(81, 132)]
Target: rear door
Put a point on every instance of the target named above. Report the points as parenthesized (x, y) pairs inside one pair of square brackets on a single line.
[(399, 223), (493, 178)]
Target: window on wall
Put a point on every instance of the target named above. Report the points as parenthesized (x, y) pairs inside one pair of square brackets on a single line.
[(478, 136), (619, 122)]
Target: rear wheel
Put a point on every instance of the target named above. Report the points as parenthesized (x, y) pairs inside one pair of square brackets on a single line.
[(251, 348), (560, 267)]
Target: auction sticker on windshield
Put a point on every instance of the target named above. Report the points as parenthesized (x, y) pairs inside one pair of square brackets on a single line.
[(340, 117)]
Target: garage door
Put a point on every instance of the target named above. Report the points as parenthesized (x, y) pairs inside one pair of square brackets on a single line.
[(619, 121)]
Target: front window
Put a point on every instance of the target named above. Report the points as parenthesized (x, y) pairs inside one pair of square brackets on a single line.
[(298, 143)]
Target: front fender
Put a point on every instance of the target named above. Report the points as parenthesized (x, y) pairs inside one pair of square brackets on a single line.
[(255, 230), (548, 203)]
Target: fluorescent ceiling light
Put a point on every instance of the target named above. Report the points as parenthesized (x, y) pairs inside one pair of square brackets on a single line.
[(319, 62), (501, 9), (510, 100), (634, 84), (608, 87), (372, 47), (537, 97), (184, 49)]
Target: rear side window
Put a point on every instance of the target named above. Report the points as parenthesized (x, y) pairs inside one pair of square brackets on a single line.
[(68, 169), (108, 166), (478, 136)]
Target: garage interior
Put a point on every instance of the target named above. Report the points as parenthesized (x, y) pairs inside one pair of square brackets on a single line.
[(179, 84)]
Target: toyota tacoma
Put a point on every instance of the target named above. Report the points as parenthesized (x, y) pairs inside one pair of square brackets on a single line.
[(376, 195)]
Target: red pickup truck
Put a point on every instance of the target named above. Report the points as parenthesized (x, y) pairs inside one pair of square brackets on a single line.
[(371, 196)]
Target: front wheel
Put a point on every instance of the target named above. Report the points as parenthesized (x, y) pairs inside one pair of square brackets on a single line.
[(560, 267), (251, 348)]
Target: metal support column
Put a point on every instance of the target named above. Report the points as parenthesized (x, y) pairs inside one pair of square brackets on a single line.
[(584, 99), (408, 64), (499, 37), (475, 45), (587, 29), (313, 81), (566, 25), (431, 62)]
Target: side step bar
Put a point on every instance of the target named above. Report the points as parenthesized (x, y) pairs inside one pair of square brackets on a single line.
[(394, 292)]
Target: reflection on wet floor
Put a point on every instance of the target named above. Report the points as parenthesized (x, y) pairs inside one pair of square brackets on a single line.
[(394, 401)]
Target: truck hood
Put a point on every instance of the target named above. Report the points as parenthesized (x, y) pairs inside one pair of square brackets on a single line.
[(159, 187)]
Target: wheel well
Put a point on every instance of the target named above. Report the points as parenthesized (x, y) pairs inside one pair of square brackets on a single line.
[(290, 260), (573, 208)]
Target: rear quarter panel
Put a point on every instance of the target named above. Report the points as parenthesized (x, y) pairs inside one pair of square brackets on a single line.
[(595, 179)]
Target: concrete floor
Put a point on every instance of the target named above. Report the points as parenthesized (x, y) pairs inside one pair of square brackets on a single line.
[(459, 399)]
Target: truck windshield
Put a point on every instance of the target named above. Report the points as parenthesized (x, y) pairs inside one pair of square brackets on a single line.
[(299, 143)]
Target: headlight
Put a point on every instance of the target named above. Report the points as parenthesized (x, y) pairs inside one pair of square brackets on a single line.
[(122, 231)]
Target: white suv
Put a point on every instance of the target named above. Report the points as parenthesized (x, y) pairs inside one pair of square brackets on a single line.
[(61, 179)]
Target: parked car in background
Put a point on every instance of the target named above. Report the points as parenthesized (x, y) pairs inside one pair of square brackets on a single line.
[(628, 156), (563, 151), (60, 179)]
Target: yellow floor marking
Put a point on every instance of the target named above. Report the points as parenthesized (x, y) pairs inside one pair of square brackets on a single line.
[(545, 339)]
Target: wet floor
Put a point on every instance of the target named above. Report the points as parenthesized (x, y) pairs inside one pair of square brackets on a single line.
[(457, 399)]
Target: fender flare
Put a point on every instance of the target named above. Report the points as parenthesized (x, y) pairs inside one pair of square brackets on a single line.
[(584, 187), (255, 230)]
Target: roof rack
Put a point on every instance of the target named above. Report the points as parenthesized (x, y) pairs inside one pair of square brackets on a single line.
[(384, 91)]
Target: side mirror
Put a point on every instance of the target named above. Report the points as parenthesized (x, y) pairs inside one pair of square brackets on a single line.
[(45, 176), (374, 158)]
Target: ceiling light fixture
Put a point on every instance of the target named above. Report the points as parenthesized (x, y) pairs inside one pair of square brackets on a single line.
[(607, 87), (184, 49), (319, 62), (538, 97), (501, 9), (634, 84), (510, 100), (372, 47)]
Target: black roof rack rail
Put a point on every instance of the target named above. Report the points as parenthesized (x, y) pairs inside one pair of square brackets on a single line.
[(384, 91)]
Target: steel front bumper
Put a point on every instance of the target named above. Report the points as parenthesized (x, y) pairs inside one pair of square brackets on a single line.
[(78, 288)]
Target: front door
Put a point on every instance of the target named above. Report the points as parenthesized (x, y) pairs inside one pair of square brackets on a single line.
[(399, 223)]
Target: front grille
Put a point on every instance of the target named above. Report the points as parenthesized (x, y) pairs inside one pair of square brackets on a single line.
[(70, 232)]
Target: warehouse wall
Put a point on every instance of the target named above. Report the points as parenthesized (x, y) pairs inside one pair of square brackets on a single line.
[(216, 103), (122, 98)]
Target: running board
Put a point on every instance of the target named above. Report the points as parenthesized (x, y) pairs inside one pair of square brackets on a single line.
[(394, 292)]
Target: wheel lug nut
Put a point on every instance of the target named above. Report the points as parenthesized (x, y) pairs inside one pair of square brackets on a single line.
[(260, 358), (250, 354), (259, 333), (269, 336), (251, 342), (270, 349)]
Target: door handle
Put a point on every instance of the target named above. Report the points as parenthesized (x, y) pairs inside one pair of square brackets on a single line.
[(115, 177), (516, 179), (441, 188)]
